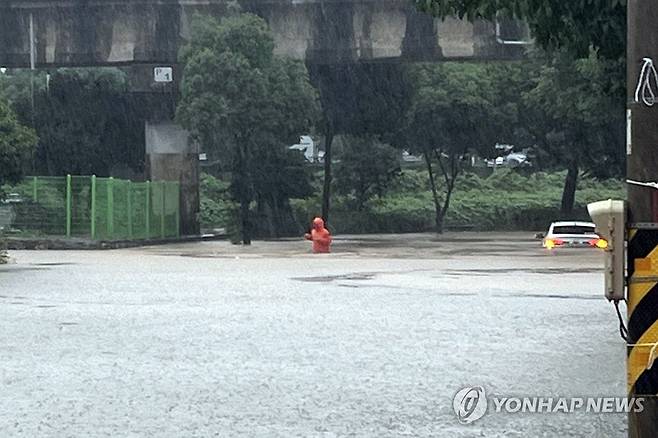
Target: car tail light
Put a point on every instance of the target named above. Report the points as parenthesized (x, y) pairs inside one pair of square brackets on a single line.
[(552, 243), (599, 243)]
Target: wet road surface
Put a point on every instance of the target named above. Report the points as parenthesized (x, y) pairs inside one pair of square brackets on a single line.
[(209, 339)]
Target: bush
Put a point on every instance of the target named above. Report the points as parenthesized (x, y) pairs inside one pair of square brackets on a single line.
[(366, 168), (217, 207), (505, 200)]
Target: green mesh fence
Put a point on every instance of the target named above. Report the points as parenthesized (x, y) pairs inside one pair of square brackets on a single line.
[(97, 208)]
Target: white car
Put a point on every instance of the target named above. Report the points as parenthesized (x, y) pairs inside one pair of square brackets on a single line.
[(573, 235)]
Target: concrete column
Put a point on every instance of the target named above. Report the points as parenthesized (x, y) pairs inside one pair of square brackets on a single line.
[(172, 156)]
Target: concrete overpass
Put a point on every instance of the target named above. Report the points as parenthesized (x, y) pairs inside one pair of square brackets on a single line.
[(69, 33)]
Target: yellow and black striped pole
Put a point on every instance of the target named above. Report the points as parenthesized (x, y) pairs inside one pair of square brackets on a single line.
[(643, 328), (642, 232)]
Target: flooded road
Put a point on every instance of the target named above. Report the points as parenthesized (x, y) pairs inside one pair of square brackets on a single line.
[(374, 340)]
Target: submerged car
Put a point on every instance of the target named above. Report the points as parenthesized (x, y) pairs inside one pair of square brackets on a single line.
[(573, 235)]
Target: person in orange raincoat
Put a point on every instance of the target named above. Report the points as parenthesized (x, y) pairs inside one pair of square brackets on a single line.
[(320, 236)]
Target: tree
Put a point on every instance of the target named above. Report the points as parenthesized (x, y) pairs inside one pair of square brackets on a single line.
[(577, 105), (366, 169), (358, 99), (575, 25), (576, 115), (240, 100), (281, 175), (455, 110), (86, 120), (16, 145)]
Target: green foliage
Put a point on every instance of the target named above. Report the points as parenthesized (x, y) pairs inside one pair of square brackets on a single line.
[(281, 174), (410, 181), (366, 168), (455, 107), (218, 210), (575, 24), (245, 105), (505, 200), (86, 119), (357, 99), (575, 112), (234, 89), (570, 111), (16, 146), (455, 110), (244, 34), (16, 88)]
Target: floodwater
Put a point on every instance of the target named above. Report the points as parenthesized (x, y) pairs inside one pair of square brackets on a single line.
[(374, 340)]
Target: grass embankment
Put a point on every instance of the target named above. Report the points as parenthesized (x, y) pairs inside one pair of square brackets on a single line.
[(505, 200)]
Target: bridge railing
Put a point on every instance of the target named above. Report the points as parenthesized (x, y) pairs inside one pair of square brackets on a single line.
[(92, 207)]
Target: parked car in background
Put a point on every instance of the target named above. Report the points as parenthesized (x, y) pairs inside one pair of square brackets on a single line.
[(573, 235)]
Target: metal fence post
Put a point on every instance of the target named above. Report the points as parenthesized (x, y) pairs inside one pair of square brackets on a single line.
[(110, 208), (129, 208), (35, 192), (163, 189), (148, 209), (177, 209), (68, 205), (92, 219)]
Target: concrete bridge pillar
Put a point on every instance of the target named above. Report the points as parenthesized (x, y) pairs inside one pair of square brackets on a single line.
[(172, 156)]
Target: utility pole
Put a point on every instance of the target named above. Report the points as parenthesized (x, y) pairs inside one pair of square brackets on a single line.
[(642, 225)]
